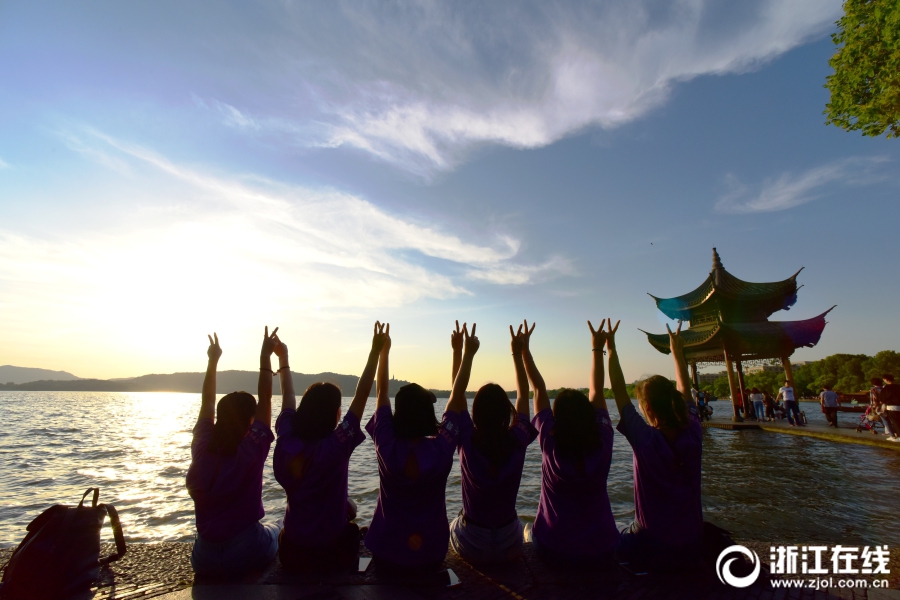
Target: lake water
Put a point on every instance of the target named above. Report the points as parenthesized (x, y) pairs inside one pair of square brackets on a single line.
[(136, 448)]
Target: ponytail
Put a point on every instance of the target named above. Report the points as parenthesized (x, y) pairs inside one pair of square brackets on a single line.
[(663, 404)]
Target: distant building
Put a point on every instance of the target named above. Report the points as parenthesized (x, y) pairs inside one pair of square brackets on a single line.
[(705, 378), (765, 369)]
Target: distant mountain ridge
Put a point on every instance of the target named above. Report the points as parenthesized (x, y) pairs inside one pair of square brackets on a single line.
[(226, 381), (12, 374)]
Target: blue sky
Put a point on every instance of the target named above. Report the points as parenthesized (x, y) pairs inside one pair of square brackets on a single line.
[(170, 170)]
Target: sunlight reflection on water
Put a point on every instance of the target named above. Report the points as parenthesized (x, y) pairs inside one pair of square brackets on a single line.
[(136, 448)]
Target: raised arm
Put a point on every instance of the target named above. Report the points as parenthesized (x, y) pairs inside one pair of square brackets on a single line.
[(598, 341), (456, 342), (208, 396), (616, 377), (364, 385), (541, 399), (383, 377), (517, 345), (682, 379), (457, 402), (264, 386), (285, 375)]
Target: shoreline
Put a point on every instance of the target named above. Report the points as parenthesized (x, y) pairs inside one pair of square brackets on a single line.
[(845, 434)]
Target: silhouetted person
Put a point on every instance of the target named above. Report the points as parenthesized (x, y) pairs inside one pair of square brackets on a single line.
[(312, 461), (829, 401), (668, 524), (225, 476), (791, 408), (574, 525), (890, 398), (409, 529), (492, 446), (758, 400)]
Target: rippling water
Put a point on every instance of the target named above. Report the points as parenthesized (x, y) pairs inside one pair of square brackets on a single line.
[(136, 448)]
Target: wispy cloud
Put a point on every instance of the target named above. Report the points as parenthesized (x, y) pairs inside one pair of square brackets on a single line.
[(793, 189), (419, 85), (320, 248), (4, 164)]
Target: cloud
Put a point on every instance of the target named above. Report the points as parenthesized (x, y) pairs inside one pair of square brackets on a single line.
[(790, 190), (316, 247), (419, 84), (4, 164)]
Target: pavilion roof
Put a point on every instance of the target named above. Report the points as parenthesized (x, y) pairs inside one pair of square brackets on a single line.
[(765, 339), (762, 299)]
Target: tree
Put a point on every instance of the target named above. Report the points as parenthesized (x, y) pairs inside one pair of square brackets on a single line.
[(865, 86)]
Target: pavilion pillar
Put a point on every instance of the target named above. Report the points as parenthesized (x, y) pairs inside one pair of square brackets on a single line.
[(694, 376), (736, 417), (742, 388), (788, 372)]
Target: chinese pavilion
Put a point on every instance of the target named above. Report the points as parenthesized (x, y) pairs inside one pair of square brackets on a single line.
[(729, 322)]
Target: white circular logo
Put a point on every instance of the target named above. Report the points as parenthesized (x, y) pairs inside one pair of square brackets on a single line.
[(724, 570)]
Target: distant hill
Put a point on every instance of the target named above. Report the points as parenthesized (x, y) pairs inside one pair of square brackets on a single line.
[(226, 381), (11, 374)]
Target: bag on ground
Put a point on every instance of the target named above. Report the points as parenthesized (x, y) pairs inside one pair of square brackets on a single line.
[(60, 555)]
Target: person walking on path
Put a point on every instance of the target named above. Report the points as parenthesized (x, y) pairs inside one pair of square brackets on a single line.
[(409, 530), (492, 444), (574, 525), (890, 398), (829, 401), (759, 406), (790, 404), (225, 476), (312, 462), (667, 445)]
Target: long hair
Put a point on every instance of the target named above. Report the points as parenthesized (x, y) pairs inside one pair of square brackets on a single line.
[(233, 414), (316, 416), (576, 431), (493, 414), (414, 413), (663, 404)]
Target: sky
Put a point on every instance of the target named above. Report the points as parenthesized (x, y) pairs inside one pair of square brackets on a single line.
[(171, 169)]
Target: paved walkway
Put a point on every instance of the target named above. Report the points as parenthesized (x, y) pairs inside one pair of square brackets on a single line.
[(845, 432)]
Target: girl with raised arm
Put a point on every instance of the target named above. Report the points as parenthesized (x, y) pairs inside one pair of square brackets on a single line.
[(225, 476), (312, 461), (574, 523), (667, 444), (492, 447), (409, 529)]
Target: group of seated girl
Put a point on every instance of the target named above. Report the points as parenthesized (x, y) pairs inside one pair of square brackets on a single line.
[(574, 524)]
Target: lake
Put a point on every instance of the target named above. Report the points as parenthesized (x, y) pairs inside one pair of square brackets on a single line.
[(136, 448)]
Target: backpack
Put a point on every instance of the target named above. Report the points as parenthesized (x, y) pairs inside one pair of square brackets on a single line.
[(60, 555)]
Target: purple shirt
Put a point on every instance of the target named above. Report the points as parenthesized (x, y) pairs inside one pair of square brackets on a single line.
[(574, 516), (314, 475), (227, 490), (666, 478), (410, 525), (490, 499)]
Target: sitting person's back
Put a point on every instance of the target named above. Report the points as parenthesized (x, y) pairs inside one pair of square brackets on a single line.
[(492, 446), (225, 476), (667, 450), (574, 516), (574, 525), (312, 461), (225, 481), (666, 474), (415, 454)]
